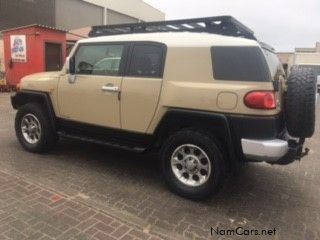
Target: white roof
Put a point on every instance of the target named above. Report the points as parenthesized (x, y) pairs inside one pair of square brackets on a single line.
[(178, 39)]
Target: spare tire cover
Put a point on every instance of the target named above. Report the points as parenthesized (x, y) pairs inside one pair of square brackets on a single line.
[(300, 102)]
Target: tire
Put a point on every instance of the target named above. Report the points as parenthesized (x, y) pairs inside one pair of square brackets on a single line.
[(301, 102), (32, 117), (196, 189)]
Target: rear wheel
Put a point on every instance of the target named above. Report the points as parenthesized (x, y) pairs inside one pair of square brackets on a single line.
[(33, 128), (192, 164)]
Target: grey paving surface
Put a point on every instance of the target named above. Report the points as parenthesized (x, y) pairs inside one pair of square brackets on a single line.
[(128, 189)]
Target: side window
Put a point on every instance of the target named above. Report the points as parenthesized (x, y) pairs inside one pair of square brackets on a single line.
[(273, 62), (240, 64), (146, 61), (99, 59)]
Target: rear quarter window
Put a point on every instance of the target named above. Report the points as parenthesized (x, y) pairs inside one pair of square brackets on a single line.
[(273, 62), (240, 64)]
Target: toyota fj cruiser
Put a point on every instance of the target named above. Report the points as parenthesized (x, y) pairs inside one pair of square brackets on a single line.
[(203, 92)]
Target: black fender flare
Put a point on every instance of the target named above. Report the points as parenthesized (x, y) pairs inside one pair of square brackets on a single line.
[(176, 119), (25, 96)]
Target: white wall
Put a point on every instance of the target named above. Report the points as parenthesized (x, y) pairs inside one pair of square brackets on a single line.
[(307, 58), (133, 8), (73, 14)]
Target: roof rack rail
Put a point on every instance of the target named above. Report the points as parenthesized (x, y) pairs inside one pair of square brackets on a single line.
[(224, 25)]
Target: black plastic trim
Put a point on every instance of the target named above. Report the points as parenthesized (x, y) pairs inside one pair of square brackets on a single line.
[(177, 119), (105, 134), (27, 96)]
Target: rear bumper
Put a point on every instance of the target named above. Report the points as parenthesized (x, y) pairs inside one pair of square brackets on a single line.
[(264, 150), (274, 151)]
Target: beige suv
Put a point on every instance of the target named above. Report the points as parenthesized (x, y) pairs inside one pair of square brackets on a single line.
[(204, 93)]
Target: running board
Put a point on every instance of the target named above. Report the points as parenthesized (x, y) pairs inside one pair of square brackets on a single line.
[(100, 142)]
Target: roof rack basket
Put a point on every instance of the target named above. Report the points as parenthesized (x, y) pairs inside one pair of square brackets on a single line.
[(224, 25)]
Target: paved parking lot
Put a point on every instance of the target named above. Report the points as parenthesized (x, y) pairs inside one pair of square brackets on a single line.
[(83, 191)]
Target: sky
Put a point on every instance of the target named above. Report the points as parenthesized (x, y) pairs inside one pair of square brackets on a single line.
[(283, 24)]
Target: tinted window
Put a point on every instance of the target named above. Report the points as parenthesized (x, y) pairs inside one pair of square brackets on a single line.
[(273, 62), (99, 59), (146, 61), (240, 64)]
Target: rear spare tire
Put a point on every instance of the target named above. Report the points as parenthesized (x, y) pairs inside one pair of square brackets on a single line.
[(301, 102)]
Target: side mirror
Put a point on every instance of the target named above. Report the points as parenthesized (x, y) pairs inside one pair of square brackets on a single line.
[(70, 65)]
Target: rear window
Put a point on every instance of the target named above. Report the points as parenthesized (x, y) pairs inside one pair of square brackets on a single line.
[(240, 64)]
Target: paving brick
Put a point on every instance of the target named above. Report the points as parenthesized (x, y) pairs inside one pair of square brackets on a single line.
[(102, 236), (35, 236), (86, 224), (45, 193), (18, 225), (55, 204), (44, 201), (115, 224), (139, 234), (71, 232), (14, 234), (127, 237), (87, 214), (66, 219), (91, 231), (104, 227), (103, 218), (121, 231), (72, 213)]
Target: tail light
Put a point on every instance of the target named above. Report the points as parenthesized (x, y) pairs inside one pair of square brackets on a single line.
[(260, 100)]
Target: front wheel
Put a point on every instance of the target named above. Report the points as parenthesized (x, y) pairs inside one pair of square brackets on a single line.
[(34, 129), (192, 164)]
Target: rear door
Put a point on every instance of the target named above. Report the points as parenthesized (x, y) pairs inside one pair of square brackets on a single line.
[(141, 86)]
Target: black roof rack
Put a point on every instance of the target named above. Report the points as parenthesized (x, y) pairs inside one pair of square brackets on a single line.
[(224, 25)]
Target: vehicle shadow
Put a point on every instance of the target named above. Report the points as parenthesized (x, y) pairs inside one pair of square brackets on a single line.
[(255, 185)]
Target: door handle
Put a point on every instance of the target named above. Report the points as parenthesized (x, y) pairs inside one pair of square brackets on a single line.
[(110, 88)]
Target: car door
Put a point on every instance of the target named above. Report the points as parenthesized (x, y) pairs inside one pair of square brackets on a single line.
[(141, 86), (92, 95)]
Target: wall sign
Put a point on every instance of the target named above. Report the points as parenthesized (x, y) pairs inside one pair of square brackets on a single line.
[(18, 48)]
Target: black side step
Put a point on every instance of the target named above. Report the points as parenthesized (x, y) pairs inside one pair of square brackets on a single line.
[(100, 142)]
